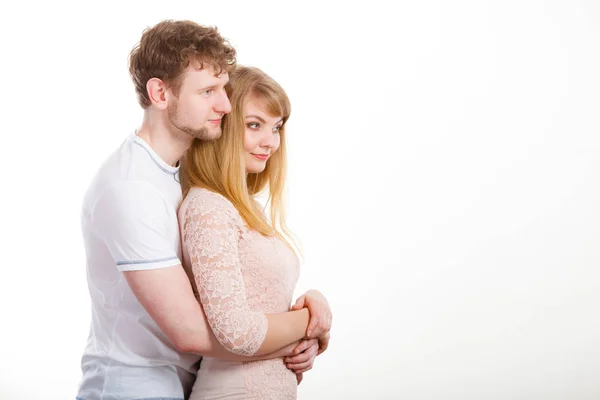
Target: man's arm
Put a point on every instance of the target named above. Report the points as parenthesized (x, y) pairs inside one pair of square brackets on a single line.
[(129, 217), (167, 295)]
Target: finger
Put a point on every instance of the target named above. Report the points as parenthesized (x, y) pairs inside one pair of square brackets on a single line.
[(299, 378), (312, 325), (300, 366), (312, 348), (323, 345), (299, 303), (303, 345), (312, 344), (300, 358), (304, 370)]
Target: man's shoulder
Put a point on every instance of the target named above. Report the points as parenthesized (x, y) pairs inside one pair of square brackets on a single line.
[(122, 171)]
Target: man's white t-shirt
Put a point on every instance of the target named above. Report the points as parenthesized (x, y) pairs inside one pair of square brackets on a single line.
[(129, 223)]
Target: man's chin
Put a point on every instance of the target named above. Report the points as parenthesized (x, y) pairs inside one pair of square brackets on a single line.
[(205, 134), (213, 134)]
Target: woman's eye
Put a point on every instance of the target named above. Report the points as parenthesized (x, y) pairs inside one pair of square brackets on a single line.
[(253, 125), (277, 129)]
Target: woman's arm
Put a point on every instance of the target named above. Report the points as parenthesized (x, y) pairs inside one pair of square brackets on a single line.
[(211, 229)]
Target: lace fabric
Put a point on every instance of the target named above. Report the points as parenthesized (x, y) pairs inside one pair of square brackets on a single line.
[(239, 275)]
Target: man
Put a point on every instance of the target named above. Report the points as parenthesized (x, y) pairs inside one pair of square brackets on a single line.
[(148, 329)]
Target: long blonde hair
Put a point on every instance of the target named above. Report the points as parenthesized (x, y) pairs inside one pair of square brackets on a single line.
[(219, 165)]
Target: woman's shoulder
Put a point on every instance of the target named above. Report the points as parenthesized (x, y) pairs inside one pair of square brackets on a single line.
[(201, 201)]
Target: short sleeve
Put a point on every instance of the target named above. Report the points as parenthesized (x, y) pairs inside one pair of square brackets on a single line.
[(134, 221)]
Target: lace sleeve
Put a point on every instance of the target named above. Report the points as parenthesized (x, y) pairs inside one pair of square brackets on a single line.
[(210, 234)]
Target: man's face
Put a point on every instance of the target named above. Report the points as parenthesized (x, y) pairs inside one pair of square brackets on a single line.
[(200, 105)]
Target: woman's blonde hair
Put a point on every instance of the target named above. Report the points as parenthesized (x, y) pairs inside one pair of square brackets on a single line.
[(220, 165)]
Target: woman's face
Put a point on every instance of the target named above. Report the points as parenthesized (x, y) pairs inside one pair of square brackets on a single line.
[(261, 138)]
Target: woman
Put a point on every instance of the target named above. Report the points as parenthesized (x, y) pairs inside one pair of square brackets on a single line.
[(243, 264)]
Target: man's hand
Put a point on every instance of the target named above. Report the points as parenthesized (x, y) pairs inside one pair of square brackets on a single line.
[(323, 343), (320, 313), (304, 356)]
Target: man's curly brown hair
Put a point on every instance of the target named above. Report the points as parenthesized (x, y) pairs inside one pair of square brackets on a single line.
[(166, 49)]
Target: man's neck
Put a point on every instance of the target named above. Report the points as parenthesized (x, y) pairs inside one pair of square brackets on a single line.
[(168, 145)]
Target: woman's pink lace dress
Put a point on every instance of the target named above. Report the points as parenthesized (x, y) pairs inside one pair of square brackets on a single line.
[(239, 275)]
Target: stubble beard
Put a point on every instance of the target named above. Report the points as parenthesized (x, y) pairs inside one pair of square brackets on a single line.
[(203, 133)]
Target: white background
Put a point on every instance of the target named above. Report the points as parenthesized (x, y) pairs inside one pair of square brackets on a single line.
[(444, 183)]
